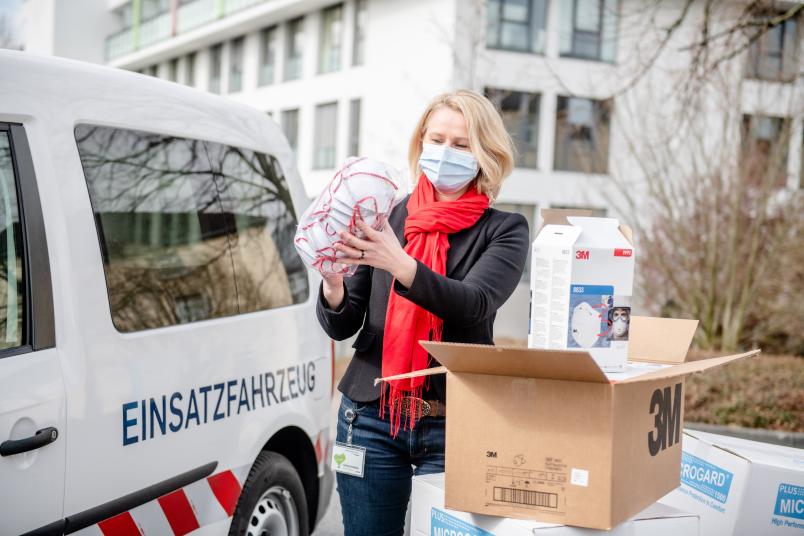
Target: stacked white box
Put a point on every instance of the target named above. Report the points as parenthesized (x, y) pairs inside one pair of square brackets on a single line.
[(581, 281), (740, 487), (429, 517)]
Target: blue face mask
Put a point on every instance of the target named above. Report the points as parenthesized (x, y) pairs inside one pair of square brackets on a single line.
[(448, 169)]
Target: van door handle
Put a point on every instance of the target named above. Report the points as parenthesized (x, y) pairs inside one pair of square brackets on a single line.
[(43, 437)]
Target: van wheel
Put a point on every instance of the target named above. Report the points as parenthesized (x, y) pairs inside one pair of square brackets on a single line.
[(272, 502)]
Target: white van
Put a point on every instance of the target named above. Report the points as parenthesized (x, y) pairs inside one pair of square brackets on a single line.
[(161, 368)]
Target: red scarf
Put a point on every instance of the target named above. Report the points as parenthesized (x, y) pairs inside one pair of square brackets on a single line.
[(427, 227)]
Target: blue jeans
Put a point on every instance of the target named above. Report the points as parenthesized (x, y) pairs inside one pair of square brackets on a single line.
[(375, 505)]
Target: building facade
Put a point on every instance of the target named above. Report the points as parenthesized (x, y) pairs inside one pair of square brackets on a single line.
[(571, 78)]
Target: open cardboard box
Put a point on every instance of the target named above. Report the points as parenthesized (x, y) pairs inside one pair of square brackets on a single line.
[(547, 435)]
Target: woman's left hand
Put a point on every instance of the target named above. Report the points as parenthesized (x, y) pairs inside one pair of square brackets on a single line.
[(380, 249)]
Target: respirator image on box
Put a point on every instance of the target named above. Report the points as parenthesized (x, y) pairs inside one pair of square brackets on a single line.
[(585, 325), (619, 320)]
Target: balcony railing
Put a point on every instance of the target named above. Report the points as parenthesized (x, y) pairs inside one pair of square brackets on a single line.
[(155, 30), (188, 16), (231, 6), (195, 14), (120, 44)]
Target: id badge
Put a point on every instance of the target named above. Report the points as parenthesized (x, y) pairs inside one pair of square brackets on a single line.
[(348, 459)]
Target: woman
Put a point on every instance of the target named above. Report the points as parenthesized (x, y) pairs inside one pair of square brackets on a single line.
[(439, 270)]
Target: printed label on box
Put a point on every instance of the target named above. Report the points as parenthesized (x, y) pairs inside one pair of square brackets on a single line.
[(443, 524), (532, 489), (550, 274), (579, 477), (598, 318), (790, 501), (702, 476)]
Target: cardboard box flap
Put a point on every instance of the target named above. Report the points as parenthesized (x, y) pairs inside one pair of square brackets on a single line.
[(558, 216), (692, 367), (599, 232), (558, 235), (521, 362), (660, 340), (627, 233), (416, 373)]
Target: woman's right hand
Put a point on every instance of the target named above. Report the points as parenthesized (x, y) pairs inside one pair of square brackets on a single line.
[(333, 290)]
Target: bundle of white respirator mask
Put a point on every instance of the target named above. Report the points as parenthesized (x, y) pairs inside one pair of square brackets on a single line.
[(362, 189)]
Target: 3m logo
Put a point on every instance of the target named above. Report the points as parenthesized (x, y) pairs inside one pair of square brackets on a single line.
[(790, 501), (582, 254), (623, 252), (667, 407)]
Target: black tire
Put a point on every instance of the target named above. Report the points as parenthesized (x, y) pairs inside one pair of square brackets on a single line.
[(269, 470)]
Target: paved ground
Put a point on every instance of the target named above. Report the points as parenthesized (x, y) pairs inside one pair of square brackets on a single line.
[(331, 524)]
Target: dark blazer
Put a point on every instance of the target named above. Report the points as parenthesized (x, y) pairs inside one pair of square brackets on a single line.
[(484, 266)]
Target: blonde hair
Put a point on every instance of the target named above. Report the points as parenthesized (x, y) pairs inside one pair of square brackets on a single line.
[(489, 142)]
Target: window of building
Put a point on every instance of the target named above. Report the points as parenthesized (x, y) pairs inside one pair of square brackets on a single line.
[(267, 56), (153, 70), (290, 127), (765, 142), (325, 135), (125, 15), (13, 304), (588, 29), (359, 43), (236, 65), (516, 25), (354, 127), (153, 8), (582, 135), (528, 211), (189, 73), (520, 114), (294, 49), (173, 70), (215, 67), (189, 230), (330, 40), (774, 56)]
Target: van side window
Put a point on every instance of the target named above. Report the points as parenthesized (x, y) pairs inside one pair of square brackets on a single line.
[(253, 192), (189, 230), (12, 284)]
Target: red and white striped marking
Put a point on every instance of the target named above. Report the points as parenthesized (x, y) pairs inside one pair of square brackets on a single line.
[(180, 512), (201, 503)]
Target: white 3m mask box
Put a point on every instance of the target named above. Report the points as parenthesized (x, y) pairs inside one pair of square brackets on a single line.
[(429, 517), (740, 487), (581, 281)]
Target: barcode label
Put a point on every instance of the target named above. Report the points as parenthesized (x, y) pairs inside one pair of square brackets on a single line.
[(527, 497)]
